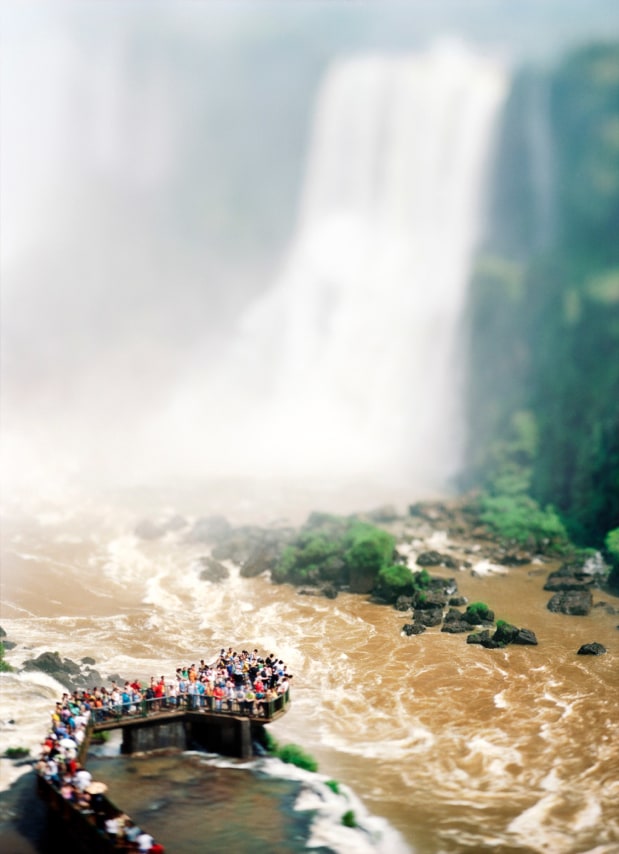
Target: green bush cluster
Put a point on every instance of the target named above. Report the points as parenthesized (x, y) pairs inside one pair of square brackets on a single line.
[(5, 667), (398, 580), (334, 549), (17, 752), (479, 610), (349, 819), (290, 753), (519, 518), (295, 755)]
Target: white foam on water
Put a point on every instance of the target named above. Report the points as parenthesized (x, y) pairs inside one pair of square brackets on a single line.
[(372, 835), (499, 700), (486, 567)]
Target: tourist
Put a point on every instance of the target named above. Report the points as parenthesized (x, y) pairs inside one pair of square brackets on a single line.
[(145, 841)]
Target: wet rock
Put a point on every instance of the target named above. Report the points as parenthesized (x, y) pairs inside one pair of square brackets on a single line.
[(478, 637), (576, 603), (88, 660), (413, 629), (430, 600), (454, 616), (455, 627), (525, 637), (262, 559), (505, 633), (65, 671), (330, 591), (556, 583), (432, 617), (476, 616), (9, 644), (591, 649), (403, 603), (516, 558), (2, 632), (432, 558), (212, 570), (309, 591), (491, 643), (458, 601)]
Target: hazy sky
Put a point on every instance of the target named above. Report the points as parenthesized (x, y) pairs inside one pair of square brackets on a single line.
[(151, 162)]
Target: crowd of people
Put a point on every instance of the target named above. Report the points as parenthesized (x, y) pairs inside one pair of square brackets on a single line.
[(243, 683), (239, 683)]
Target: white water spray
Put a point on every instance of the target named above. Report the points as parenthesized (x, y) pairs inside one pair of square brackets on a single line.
[(348, 365)]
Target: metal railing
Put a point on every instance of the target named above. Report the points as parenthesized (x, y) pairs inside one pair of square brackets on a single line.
[(258, 709)]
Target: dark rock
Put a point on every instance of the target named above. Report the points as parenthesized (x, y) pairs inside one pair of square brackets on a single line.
[(576, 603), (309, 591), (491, 643), (516, 559), (430, 600), (525, 637), (262, 559), (458, 601), (474, 617), (2, 632), (478, 637), (433, 558), (65, 671), (454, 616), (455, 628), (413, 629), (88, 660), (433, 617), (9, 644), (557, 583), (591, 649), (330, 591), (505, 633), (212, 570), (403, 603)]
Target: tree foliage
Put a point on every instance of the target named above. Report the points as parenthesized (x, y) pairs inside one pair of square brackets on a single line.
[(331, 548), (544, 310)]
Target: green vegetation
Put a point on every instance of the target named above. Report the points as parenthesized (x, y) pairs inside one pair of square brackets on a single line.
[(334, 786), (520, 518), (349, 819), (398, 580), (295, 755), (290, 753), (479, 610), (544, 312), (5, 667), (17, 752), (611, 542), (335, 549)]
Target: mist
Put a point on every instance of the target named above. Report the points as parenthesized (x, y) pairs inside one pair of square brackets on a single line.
[(162, 314)]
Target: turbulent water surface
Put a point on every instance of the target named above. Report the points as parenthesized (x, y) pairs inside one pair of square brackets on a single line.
[(448, 746)]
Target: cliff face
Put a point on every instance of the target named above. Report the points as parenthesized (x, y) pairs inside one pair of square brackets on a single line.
[(544, 301)]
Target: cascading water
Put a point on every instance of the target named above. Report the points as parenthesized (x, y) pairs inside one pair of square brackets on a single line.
[(349, 363)]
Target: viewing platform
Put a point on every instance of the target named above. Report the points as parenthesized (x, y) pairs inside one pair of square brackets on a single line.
[(229, 727)]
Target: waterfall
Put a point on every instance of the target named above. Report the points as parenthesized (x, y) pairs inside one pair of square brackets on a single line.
[(348, 364)]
